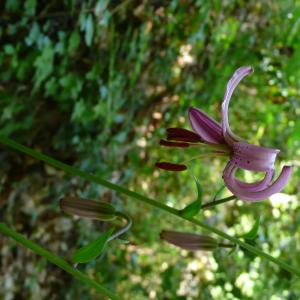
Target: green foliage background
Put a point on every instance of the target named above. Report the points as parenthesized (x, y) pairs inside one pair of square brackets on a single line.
[(95, 84)]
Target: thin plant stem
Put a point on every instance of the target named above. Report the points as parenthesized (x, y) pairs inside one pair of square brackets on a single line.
[(58, 261), (217, 202), (91, 178), (123, 229)]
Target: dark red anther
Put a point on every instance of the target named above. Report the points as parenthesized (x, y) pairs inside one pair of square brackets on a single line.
[(171, 167)]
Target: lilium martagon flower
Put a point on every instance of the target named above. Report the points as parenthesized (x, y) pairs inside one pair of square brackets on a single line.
[(223, 142), (191, 241)]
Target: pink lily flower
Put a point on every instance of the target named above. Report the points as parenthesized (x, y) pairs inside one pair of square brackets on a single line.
[(242, 155)]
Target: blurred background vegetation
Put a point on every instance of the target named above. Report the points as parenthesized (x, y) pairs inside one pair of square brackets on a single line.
[(95, 84)]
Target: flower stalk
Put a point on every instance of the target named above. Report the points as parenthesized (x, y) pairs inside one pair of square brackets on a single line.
[(217, 202), (124, 228)]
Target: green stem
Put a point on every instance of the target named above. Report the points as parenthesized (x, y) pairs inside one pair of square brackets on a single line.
[(217, 202), (57, 261), (123, 229), (166, 208)]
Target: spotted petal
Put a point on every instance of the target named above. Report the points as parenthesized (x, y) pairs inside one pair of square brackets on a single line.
[(252, 157)]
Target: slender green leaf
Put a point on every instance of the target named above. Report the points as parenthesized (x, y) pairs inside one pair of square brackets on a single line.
[(219, 192), (253, 232), (93, 249), (193, 209)]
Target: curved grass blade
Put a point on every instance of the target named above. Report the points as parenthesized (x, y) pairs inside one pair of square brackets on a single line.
[(193, 209)]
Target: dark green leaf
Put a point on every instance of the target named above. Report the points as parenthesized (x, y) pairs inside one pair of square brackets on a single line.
[(74, 41), (93, 249)]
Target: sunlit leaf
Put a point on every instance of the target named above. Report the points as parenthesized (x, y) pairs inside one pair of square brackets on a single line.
[(93, 249), (193, 209), (89, 30)]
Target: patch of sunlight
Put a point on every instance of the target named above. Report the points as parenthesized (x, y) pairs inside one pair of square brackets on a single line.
[(157, 115), (145, 185), (246, 284), (152, 294), (185, 57), (164, 266), (283, 201), (216, 292), (189, 286), (141, 142)]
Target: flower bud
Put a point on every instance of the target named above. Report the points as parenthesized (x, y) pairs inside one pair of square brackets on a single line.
[(189, 241), (88, 208)]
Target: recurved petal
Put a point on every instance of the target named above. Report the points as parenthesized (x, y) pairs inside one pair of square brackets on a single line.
[(255, 186), (206, 127), (238, 75), (249, 193), (259, 185)]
